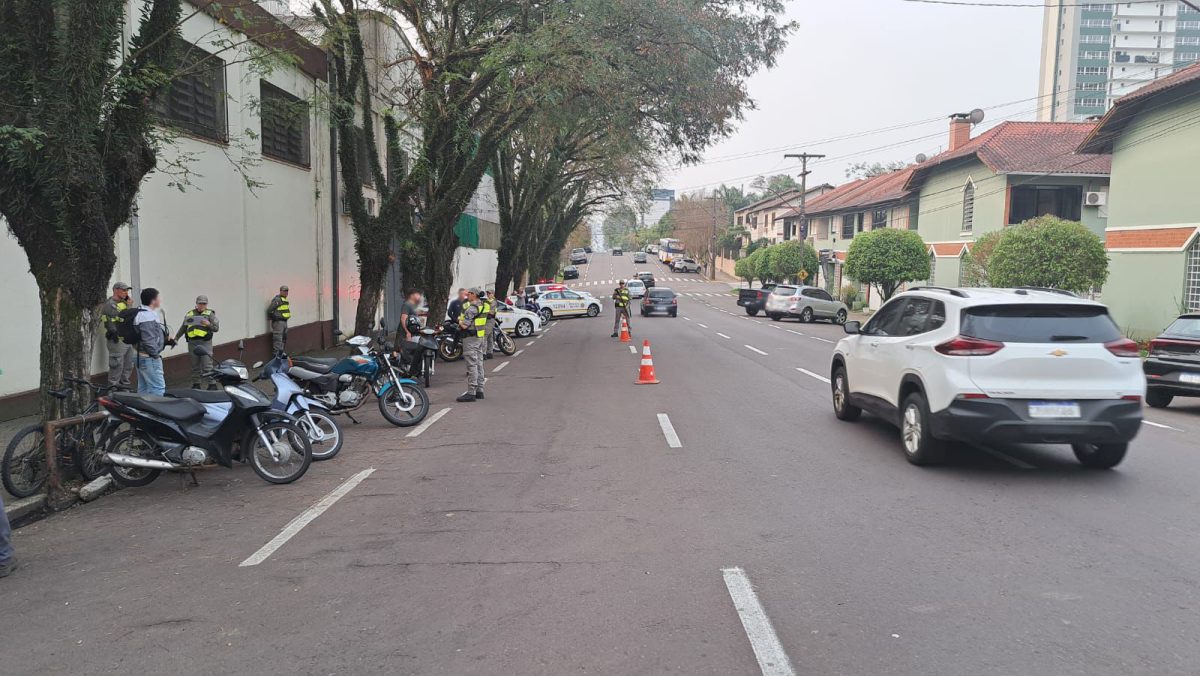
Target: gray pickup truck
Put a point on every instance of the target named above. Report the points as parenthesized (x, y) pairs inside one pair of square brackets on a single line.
[(754, 300)]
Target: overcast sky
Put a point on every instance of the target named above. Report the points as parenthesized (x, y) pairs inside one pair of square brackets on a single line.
[(860, 65)]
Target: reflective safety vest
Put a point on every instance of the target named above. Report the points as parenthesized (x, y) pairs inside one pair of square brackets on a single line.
[(622, 299), (116, 319), (485, 308), (481, 321), (284, 309), (198, 331)]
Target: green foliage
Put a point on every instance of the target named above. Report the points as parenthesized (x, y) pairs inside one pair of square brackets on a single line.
[(1049, 252), (887, 258), (793, 260), (770, 186), (744, 269), (975, 262), (871, 169), (760, 243), (848, 294)]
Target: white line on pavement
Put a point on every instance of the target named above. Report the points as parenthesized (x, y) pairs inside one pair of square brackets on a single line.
[(1160, 426), (795, 332), (818, 376), (633, 349), (668, 431), (499, 368), (1015, 462), (722, 335), (755, 349), (518, 353), (687, 319), (823, 340), (533, 341), (703, 326), (306, 517), (772, 660), (419, 429)]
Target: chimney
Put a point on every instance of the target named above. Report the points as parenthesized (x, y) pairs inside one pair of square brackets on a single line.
[(960, 130)]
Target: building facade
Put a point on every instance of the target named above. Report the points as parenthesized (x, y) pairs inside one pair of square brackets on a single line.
[(767, 218), (1095, 53)]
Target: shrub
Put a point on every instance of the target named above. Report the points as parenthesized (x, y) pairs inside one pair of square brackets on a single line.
[(887, 258), (1049, 252)]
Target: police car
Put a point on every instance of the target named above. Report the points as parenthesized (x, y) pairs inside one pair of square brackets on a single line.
[(567, 303), (521, 323)]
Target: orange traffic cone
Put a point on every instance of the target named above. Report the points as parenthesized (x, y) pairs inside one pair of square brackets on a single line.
[(625, 337), (646, 374)]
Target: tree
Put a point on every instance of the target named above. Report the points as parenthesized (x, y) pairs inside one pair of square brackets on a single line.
[(860, 170), (1049, 252), (793, 260), (887, 258), (764, 263), (760, 243), (975, 262), (774, 185), (744, 268)]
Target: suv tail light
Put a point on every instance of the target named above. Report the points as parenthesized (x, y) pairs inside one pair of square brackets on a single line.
[(966, 346), (1164, 345), (1123, 347)]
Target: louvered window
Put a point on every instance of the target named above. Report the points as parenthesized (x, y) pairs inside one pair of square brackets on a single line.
[(195, 99), (285, 125), (968, 221)]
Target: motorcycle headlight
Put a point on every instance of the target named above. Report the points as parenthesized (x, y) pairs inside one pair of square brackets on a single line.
[(242, 372)]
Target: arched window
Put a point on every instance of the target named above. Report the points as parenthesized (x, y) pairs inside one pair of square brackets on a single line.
[(962, 268), (968, 222), (1191, 277)]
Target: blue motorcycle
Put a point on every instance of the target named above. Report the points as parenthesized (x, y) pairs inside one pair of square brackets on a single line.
[(343, 385)]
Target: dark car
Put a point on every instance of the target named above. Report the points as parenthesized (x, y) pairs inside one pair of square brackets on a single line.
[(754, 300), (1173, 366), (570, 272), (587, 249), (618, 252), (660, 300), (647, 278)]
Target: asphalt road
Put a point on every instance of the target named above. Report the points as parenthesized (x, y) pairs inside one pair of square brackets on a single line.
[(556, 528)]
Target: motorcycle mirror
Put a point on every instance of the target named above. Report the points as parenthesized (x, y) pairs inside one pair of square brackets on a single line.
[(258, 364), (337, 333)]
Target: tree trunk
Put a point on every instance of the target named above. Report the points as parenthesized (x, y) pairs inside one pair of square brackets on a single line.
[(67, 340)]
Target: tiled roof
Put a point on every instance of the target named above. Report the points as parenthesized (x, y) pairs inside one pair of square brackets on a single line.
[(859, 194), (1101, 139), (1150, 238), (1024, 148), (786, 198), (948, 249)]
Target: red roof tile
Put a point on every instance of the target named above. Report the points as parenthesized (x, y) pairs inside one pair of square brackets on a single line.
[(1150, 238), (948, 249), (1124, 109)]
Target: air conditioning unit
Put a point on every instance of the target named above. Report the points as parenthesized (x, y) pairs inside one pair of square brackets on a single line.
[(1096, 199)]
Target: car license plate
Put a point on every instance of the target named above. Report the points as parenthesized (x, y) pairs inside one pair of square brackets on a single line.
[(1053, 409), (1193, 378)]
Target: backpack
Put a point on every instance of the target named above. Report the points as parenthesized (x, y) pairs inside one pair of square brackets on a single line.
[(127, 332)]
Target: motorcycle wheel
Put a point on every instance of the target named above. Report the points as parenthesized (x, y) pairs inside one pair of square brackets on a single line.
[(505, 343), (390, 404), (450, 351), (427, 371), (89, 458), (24, 470), (293, 453), (325, 438), (131, 442)]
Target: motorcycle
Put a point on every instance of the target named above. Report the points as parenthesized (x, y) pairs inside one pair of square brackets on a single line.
[(449, 344), (417, 356), (182, 435), (343, 385)]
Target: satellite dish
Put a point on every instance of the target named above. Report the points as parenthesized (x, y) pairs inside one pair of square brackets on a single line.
[(921, 158), (976, 116)]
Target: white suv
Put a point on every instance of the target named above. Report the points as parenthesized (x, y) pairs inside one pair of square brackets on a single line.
[(993, 365)]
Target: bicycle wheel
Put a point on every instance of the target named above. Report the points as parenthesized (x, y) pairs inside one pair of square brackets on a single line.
[(24, 470), (89, 452)]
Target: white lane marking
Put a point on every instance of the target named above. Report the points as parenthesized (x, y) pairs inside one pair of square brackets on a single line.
[(534, 340), (306, 517), (420, 429), (668, 431), (755, 349), (1015, 462), (776, 327), (772, 660), (795, 332), (633, 349), (1160, 426), (703, 326), (823, 340), (499, 368), (518, 352), (687, 319), (722, 335), (818, 376)]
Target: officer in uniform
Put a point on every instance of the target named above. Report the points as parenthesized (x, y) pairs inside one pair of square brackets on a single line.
[(279, 312), (487, 307), (120, 353), (473, 324), (199, 325), (621, 301)]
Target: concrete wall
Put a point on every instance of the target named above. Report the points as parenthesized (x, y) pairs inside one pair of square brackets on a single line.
[(941, 214), (1144, 291)]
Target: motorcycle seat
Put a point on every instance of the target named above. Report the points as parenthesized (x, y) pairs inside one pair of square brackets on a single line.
[(322, 366), (202, 396), (303, 373), (182, 410), (327, 361)]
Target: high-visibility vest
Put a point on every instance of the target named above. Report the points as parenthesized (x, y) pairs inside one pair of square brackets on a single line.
[(284, 309), (198, 331), (485, 308), (622, 297), (116, 319), (481, 321)]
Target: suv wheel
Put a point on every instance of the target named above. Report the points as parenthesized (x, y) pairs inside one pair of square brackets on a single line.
[(842, 407), (806, 316), (840, 317), (1158, 399), (919, 445), (752, 311), (1100, 456)]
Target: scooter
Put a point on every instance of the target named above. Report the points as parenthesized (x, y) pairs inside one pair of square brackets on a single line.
[(182, 435)]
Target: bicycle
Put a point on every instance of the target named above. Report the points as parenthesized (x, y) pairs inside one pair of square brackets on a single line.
[(24, 471)]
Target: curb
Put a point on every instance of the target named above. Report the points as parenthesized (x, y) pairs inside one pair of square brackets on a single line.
[(19, 509)]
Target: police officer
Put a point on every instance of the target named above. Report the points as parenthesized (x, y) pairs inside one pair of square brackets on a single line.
[(473, 324), (621, 301), (199, 325), (279, 312), (487, 307), (120, 353)]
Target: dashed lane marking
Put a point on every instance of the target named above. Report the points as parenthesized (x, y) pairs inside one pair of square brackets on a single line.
[(795, 332), (518, 352), (818, 376), (772, 660), (306, 517), (755, 349), (420, 429), (1161, 426), (499, 368), (723, 335), (823, 340), (703, 326), (668, 431)]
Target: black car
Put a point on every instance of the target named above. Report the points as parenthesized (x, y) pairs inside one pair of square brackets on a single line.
[(647, 278), (618, 252), (587, 249), (1173, 366), (660, 300), (570, 272)]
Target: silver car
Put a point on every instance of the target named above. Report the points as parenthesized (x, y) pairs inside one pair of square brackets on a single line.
[(805, 303)]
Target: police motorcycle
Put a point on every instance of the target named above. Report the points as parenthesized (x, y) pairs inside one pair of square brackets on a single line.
[(182, 435), (343, 385), (449, 343), (417, 355)]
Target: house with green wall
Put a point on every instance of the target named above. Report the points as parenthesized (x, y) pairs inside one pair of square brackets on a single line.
[(1007, 175), (1153, 229)]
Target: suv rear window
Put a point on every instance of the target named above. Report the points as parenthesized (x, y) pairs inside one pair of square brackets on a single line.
[(1040, 324), (1185, 326), (784, 291)]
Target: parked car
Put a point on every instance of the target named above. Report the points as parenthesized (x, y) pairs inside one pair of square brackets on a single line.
[(570, 272), (618, 252), (521, 323), (754, 300), (639, 257), (534, 291), (637, 288), (685, 265), (587, 249), (1173, 366), (578, 257), (661, 299), (993, 365), (647, 278), (567, 303), (652, 249), (805, 303)]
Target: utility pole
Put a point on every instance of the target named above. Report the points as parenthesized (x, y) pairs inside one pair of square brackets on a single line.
[(804, 172), (712, 241)]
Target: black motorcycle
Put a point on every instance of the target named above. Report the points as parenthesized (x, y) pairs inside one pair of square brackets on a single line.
[(449, 344), (182, 435), (417, 355)]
